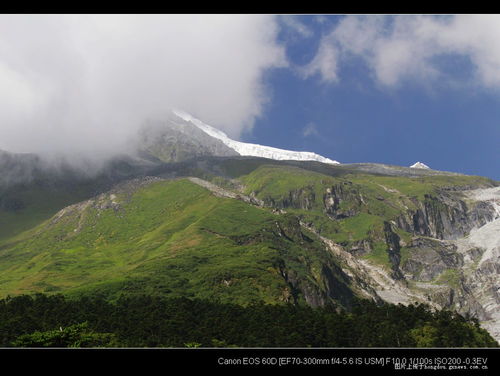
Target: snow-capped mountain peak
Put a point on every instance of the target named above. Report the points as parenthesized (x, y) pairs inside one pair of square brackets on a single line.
[(253, 150), (419, 165)]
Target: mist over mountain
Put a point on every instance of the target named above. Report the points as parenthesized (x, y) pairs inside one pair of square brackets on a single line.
[(175, 138), (82, 85)]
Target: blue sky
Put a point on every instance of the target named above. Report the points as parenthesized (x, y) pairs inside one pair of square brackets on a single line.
[(446, 119)]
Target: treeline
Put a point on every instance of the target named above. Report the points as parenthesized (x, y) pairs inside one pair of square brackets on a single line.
[(55, 321)]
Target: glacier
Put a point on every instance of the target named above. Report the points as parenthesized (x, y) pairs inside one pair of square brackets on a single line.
[(253, 150)]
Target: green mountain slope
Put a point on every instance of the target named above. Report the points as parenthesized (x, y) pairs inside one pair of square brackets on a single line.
[(172, 238)]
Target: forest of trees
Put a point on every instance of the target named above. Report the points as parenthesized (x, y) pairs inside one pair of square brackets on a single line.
[(56, 321)]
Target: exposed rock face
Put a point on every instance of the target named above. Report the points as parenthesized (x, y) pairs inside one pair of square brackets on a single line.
[(336, 195), (174, 141), (339, 201), (481, 250), (445, 217), (428, 258), (372, 281), (463, 272), (221, 192), (393, 250), (302, 198)]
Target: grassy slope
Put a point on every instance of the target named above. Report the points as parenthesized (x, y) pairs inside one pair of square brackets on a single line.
[(172, 238)]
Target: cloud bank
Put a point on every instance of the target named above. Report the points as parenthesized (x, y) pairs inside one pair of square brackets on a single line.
[(402, 49), (82, 84)]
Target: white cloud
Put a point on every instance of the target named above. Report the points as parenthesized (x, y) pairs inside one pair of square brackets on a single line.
[(84, 83), (294, 24), (401, 48), (310, 130), (325, 63)]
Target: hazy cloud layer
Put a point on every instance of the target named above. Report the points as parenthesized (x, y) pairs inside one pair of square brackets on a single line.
[(399, 49), (310, 129), (83, 83)]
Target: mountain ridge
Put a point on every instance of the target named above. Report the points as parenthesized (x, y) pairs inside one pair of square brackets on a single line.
[(253, 150)]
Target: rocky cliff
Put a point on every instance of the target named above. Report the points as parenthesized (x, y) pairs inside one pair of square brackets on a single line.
[(445, 216), (440, 247)]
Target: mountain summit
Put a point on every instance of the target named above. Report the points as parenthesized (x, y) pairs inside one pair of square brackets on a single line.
[(419, 165), (252, 150)]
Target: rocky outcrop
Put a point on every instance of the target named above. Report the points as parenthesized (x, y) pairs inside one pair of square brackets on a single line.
[(393, 249), (332, 286), (175, 140), (302, 198), (222, 192), (360, 248), (462, 273), (428, 258), (445, 216), (342, 201), (372, 281)]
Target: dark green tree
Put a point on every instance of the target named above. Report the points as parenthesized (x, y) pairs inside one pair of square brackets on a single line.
[(78, 335)]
